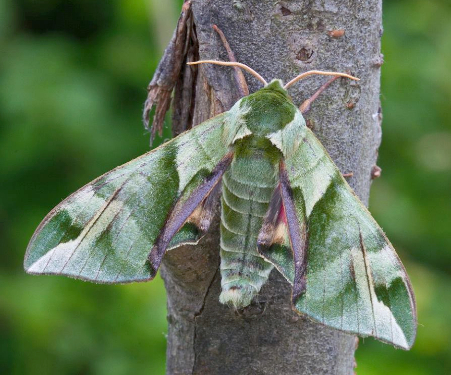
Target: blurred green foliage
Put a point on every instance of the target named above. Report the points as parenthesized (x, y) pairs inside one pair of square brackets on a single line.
[(73, 76)]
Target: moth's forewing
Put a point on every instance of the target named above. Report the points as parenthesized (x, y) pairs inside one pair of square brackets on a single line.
[(355, 282), (105, 231), (294, 208)]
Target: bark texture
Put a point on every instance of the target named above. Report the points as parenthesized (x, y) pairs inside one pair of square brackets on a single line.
[(279, 39)]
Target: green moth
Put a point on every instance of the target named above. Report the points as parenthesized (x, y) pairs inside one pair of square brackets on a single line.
[(284, 205)]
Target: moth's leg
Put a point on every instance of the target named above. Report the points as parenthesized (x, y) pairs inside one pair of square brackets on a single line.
[(183, 209), (239, 76), (350, 174), (297, 231), (305, 107)]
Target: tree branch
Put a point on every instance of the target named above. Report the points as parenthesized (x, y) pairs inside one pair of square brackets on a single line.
[(278, 40)]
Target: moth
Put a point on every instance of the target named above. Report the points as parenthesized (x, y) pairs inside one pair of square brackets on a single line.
[(284, 205)]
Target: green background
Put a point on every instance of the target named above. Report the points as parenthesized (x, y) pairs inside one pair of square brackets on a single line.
[(73, 78)]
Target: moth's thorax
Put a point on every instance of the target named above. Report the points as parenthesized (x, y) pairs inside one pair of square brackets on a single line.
[(267, 115), (257, 147), (268, 110)]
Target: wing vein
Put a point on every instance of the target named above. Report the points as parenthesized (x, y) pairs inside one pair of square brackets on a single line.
[(65, 232), (90, 225), (368, 278)]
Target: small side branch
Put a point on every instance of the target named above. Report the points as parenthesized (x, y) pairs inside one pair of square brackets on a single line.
[(226, 63), (239, 76), (305, 107)]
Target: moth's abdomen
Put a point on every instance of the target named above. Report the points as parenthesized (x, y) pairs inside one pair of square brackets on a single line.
[(246, 191)]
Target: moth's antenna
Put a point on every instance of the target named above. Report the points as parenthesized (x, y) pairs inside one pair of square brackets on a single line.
[(311, 72), (227, 63)]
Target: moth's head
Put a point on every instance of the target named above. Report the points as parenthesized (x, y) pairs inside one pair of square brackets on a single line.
[(276, 85), (267, 110)]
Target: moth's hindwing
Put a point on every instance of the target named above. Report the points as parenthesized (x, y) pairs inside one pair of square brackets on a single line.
[(355, 282), (105, 231)]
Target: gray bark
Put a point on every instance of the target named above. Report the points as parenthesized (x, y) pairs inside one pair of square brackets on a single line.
[(279, 39)]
